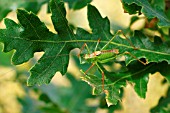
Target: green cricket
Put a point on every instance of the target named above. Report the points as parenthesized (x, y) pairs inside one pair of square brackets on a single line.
[(104, 56)]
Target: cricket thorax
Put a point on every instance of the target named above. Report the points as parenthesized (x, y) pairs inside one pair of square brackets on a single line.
[(92, 55)]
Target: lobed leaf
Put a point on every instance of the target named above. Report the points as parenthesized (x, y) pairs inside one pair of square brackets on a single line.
[(151, 12), (31, 35), (136, 73), (112, 90), (132, 8), (100, 26), (151, 51)]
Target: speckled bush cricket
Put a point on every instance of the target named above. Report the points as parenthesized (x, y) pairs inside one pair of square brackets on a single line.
[(104, 55)]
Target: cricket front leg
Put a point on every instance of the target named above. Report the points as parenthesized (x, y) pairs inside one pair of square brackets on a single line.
[(82, 48), (89, 68), (103, 89)]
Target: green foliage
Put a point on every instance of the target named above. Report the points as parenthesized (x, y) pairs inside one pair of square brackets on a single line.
[(132, 8), (67, 100), (135, 73), (31, 35), (28, 104), (151, 12), (158, 3)]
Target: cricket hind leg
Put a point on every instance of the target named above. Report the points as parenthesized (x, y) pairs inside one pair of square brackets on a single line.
[(119, 31), (82, 48), (129, 41), (144, 63), (85, 45), (101, 72), (102, 75)]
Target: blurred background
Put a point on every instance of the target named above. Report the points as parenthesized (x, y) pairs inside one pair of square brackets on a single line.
[(68, 94)]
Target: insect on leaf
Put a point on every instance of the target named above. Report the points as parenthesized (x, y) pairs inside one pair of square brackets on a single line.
[(31, 35)]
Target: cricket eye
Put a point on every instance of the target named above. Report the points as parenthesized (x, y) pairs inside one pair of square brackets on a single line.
[(97, 54)]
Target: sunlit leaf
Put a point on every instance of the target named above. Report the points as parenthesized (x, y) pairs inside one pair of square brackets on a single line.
[(31, 35), (163, 105)]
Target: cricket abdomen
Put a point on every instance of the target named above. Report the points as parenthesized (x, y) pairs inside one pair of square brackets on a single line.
[(102, 56), (115, 51), (107, 55)]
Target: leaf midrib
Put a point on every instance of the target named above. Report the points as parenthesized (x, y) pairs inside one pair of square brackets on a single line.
[(92, 41)]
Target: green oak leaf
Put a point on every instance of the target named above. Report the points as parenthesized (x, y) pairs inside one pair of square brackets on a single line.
[(168, 13), (144, 48), (31, 5), (140, 77), (132, 8), (151, 12), (113, 90), (99, 26), (31, 35), (158, 3), (136, 73)]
